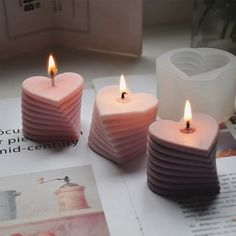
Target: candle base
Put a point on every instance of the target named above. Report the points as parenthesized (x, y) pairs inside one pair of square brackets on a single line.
[(188, 130)]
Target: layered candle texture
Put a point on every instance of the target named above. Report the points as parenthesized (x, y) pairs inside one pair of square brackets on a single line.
[(119, 126), (52, 112), (182, 163)]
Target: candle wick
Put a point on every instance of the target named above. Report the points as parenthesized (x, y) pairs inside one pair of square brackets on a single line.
[(188, 129), (188, 124), (123, 95), (52, 78)]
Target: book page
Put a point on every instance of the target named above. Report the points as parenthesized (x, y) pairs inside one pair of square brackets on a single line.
[(130, 207), (199, 216), (22, 157), (214, 215)]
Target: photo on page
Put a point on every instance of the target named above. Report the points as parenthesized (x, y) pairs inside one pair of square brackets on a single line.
[(56, 203)]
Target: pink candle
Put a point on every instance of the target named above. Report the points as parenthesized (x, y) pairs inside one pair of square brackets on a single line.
[(181, 156), (51, 107), (120, 122)]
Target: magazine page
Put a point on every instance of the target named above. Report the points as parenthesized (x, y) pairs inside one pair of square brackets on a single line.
[(34, 175), (120, 192), (197, 216)]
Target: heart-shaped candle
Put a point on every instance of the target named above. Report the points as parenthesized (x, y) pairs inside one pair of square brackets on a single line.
[(51, 109), (120, 122), (200, 142), (181, 156), (206, 76)]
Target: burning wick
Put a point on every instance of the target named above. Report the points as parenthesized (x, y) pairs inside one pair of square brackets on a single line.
[(52, 78), (123, 95), (123, 88), (52, 69), (188, 117), (188, 124)]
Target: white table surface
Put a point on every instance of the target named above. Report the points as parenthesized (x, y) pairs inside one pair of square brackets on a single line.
[(146, 206)]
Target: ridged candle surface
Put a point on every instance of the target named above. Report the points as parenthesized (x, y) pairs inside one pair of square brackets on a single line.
[(119, 127), (182, 164), (52, 113)]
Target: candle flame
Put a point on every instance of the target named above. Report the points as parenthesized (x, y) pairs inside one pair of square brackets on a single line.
[(52, 68), (188, 118), (123, 88), (187, 112)]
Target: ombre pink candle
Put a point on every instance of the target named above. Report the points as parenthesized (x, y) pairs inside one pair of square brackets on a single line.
[(120, 121), (181, 155), (51, 106)]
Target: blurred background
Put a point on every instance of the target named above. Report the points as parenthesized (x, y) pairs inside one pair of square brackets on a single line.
[(104, 38)]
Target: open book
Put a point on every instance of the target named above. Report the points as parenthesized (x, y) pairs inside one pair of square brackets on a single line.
[(120, 197)]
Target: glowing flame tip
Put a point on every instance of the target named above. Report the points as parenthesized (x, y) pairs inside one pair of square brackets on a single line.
[(187, 112), (52, 68), (123, 87)]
